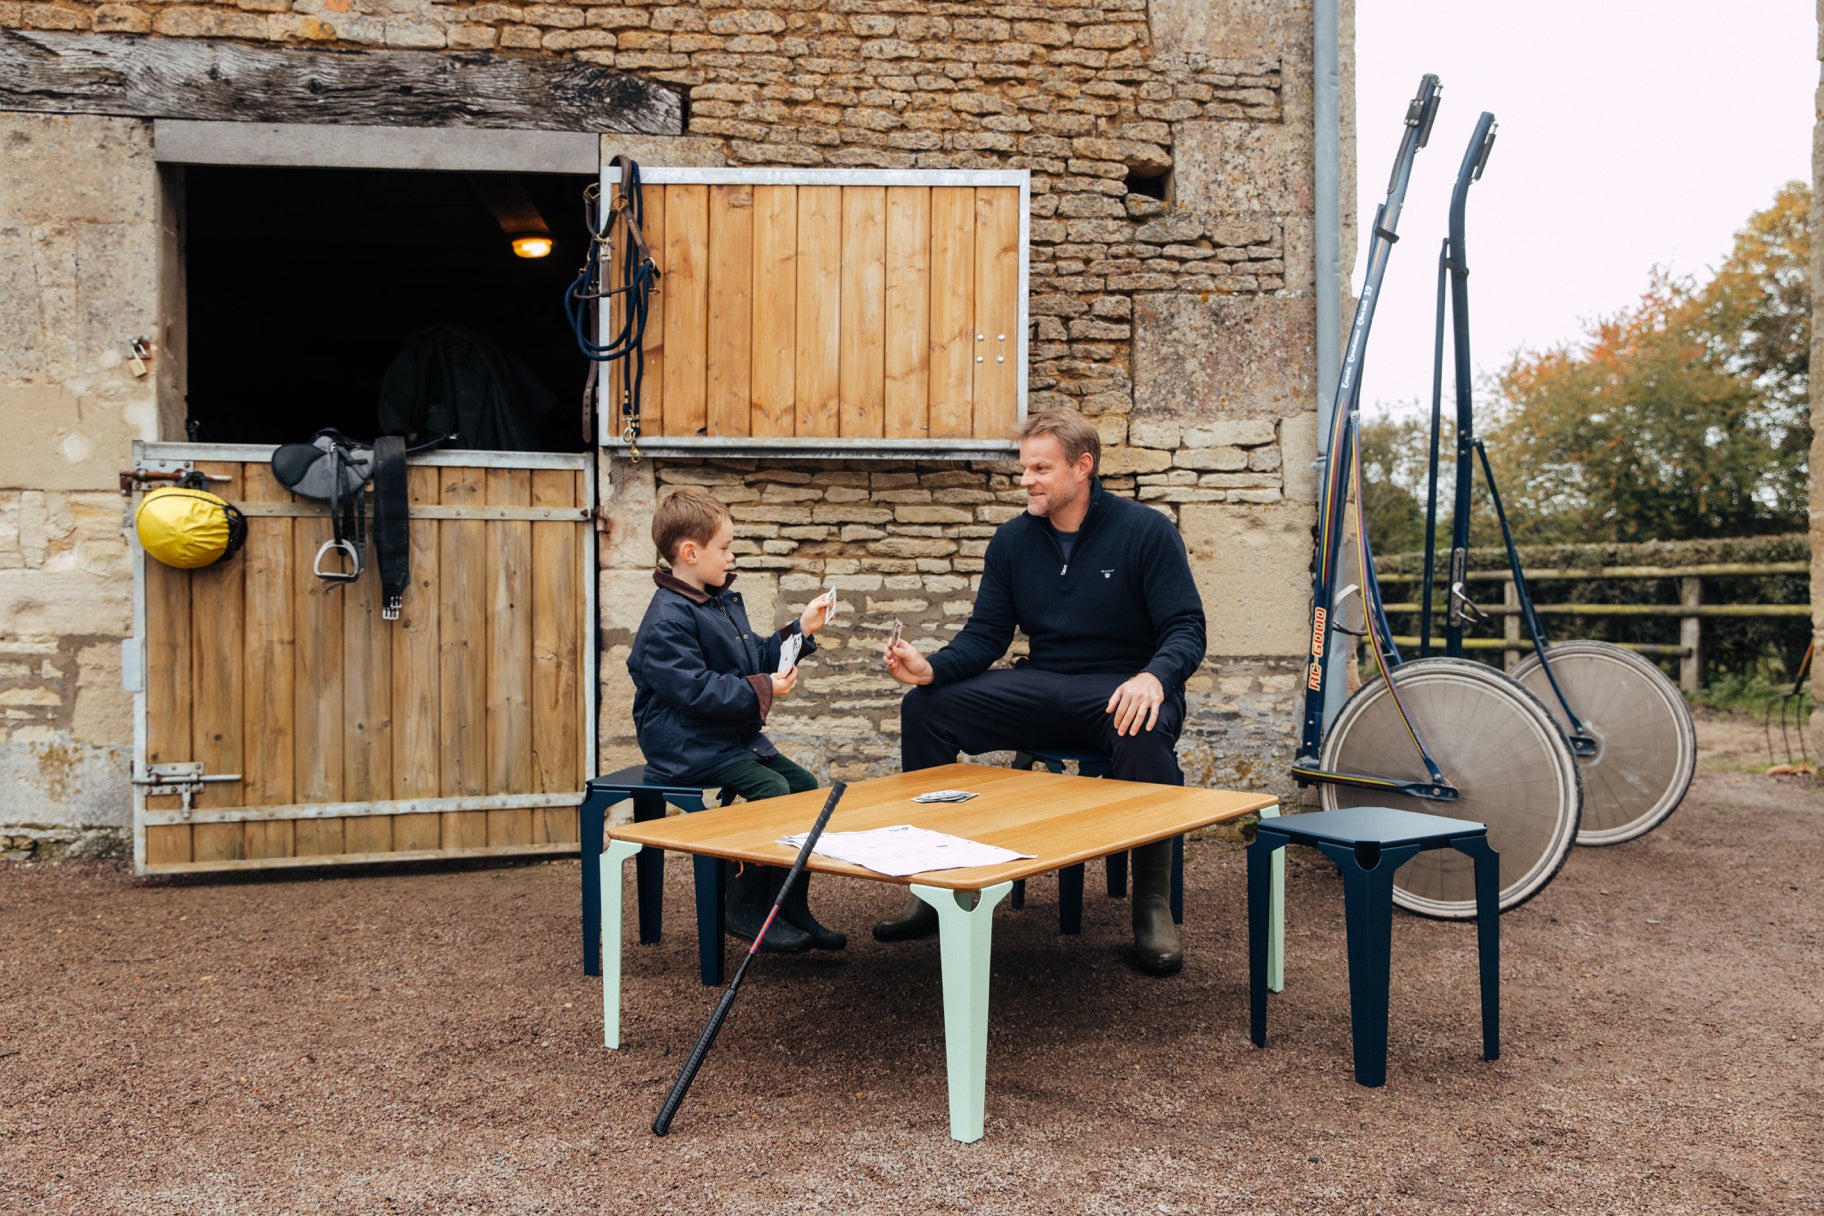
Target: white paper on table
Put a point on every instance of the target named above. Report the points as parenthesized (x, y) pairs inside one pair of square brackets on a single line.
[(905, 849), (789, 651)]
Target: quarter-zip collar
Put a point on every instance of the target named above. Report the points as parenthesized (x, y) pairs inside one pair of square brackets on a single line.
[(1098, 504)]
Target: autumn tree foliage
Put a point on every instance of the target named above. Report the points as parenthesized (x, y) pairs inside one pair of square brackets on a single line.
[(1683, 416)]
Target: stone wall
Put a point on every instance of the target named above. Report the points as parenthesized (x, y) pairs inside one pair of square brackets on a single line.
[(78, 274), (1183, 325)]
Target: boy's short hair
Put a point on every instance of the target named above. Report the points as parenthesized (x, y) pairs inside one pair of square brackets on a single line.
[(686, 514), (1074, 433)]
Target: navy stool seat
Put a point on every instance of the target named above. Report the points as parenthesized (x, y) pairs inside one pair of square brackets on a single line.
[(649, 802), (1368, 843), (1070, 878)]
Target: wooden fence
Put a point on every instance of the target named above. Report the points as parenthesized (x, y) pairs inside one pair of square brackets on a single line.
[(1691, 611)]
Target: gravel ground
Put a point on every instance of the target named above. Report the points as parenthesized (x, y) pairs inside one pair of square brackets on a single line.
[(424, 1041)]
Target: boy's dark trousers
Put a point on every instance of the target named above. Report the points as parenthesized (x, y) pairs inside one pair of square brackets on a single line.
[(752, 889)]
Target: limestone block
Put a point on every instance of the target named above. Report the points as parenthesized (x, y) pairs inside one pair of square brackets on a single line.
[(1233, 29), (1252, 566), (60, 783), (1230, 166), (672, 151), (1298, 451), (1241, 432), (76, 169), (51, 603), (629, 492), (1134, 460), (1154, 433), (103, 713), (621, 598), (59, 441), (1199, 361)]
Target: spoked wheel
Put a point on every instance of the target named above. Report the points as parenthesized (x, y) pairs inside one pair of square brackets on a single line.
[(1496, 744), (1646, 746)]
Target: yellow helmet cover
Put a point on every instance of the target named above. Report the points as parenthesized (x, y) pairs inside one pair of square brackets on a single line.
[(188, 528)]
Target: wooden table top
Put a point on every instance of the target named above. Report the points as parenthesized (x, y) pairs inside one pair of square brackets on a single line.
[(1062, 820)]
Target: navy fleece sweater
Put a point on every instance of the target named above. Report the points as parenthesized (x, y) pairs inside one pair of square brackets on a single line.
[(1124, 603)]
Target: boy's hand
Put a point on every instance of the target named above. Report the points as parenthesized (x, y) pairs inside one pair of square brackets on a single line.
[(816, 613), (1136, 704), (782, 685), (906, 664)]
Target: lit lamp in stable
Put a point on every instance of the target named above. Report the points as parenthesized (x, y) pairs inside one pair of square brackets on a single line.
[(536, 246)]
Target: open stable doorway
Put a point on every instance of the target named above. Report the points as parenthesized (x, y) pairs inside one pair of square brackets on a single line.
[(305, 287)]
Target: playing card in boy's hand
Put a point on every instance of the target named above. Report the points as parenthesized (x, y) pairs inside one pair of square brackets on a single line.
[(789, 651)]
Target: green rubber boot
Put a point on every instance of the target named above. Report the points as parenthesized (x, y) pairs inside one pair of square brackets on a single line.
[(1156, 947), (750, 897)]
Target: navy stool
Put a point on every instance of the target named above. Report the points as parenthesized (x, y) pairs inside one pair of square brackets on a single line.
[(649, 800), (1368, 843), (1070, 878)]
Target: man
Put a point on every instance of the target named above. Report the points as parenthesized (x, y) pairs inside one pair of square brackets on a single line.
[(1102, 590)]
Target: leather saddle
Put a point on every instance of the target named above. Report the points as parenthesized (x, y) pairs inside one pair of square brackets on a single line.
[(335, 469)]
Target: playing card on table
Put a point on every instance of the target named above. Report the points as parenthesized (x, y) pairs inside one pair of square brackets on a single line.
[(944, 796)]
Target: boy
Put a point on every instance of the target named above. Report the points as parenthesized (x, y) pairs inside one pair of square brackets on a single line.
[(704, 683)]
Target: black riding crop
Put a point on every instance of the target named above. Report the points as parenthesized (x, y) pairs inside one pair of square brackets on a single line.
[(681, 1086)]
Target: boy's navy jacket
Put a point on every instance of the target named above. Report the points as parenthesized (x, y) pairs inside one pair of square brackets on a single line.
[(1125, 602), (702, 681)]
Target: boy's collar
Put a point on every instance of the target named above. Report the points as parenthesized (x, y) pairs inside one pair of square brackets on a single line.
[(671, 582)]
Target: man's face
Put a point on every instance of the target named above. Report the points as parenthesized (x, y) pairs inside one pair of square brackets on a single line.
[(1053, 485)]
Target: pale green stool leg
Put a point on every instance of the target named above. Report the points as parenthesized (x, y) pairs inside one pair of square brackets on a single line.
[(964, 935), (1276, 914), (612, 857)]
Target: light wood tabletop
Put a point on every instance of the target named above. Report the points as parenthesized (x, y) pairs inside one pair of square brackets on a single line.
[(1062, 820)]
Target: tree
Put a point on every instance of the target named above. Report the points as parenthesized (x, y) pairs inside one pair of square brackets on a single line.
[(1683, 416)]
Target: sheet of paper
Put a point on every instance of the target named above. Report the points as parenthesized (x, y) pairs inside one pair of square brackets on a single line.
[(905, 849), (789, 650)]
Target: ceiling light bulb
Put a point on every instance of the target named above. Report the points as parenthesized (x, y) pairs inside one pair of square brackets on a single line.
[(532, 246)]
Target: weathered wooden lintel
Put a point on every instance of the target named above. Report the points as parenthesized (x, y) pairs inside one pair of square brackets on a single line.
[(215, 81)]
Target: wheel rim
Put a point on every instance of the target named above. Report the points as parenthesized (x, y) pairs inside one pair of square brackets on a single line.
[(1496, 744), (1647, 745)]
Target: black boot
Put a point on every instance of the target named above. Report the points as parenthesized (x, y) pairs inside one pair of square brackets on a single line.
[(797, 911), (1156, 947), (750, 898), (918, 919)]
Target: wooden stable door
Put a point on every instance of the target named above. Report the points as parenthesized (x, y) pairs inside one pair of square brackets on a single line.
[(833, 307), (326, 734)]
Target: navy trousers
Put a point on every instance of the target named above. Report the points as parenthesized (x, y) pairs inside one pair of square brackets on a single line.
[(1012, 709)]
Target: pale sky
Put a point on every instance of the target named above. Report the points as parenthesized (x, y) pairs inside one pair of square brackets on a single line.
[(1630, 135)]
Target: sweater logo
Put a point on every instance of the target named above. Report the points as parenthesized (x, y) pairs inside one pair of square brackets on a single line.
[(1108, 574)]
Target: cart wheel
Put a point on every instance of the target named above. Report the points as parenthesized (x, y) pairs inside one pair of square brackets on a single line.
[(1646, 746), (1496, 744)]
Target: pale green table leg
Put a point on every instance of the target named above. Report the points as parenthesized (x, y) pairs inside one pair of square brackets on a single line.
[(1276, 914), (617, 852), (964, 942)]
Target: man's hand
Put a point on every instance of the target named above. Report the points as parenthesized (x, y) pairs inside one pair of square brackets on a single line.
[(1136, 704), (783, 685), (906, 664)]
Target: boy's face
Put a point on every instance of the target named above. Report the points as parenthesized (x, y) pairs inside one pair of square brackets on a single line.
[(706, 565)]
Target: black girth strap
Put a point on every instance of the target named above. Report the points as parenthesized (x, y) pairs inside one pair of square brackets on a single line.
[(392, 533)]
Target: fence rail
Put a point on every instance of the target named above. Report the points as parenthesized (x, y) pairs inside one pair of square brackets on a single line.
[(1691, 611)]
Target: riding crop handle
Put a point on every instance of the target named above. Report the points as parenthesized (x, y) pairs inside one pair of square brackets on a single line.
[(681, 1086)]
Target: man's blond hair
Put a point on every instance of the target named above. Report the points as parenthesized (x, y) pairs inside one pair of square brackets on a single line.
[(686, 514), (1074, 433)]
